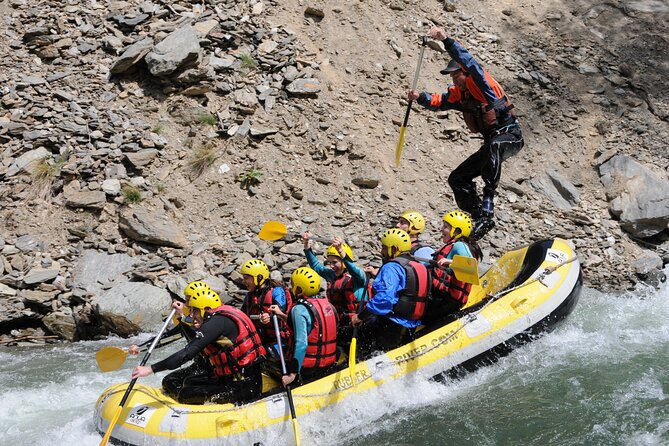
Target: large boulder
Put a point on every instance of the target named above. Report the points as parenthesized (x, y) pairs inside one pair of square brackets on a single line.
[(140, 303), (179, 49), (637, 196), (95, 269), (152, 227)]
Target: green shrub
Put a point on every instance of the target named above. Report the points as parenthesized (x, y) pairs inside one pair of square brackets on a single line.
[(131, 194), (159, 128), (248, 61), (250, 177), (207, 119)]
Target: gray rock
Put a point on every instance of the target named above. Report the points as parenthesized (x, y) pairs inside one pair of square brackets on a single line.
[(7, 291), (41, 275), (85, 199), (28, 243), (40, 298), (647, 262), (152, 227), (177, 50), (111, 187), (132, 54), (562, 193), (138, 302), (304, 87), (636, 196), (365, 182), (219, 63), (95, 268), (141, 158), (260, 132), (27, 161)]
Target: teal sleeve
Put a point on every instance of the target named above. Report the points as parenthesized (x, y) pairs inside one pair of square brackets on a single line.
[(302, 325), (359, 279), (459, 249), (317, 266)]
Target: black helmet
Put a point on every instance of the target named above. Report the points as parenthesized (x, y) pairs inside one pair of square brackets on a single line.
[(452, 66)]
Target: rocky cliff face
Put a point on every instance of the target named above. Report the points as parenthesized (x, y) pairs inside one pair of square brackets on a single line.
[(145, 143)]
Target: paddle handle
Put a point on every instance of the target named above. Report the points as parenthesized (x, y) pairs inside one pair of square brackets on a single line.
[(275, 320), (145, 359), (284, 370), (320, 239)]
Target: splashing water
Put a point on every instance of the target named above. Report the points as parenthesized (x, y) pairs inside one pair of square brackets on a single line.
[(601, 378)]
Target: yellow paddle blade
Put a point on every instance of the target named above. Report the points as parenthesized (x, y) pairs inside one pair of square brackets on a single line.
[(110, 358), (400, 146), (297, 432), (351, 359), (466, 269), (272, 230)]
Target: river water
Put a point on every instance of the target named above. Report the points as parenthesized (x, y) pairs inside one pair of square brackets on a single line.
[(601, 378)]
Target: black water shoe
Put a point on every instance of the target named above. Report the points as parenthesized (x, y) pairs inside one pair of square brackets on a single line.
[(482, 226)]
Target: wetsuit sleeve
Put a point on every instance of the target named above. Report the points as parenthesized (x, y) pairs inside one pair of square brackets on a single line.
[(473, 68), (279, 297), (317, 266), (359, 279), (212, 329), (302, 325), (390, 280), (169, 333)]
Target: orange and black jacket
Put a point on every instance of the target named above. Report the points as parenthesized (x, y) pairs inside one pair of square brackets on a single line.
[(484, 104)]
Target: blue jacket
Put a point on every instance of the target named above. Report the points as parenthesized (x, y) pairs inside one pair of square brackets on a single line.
[(390, 280)]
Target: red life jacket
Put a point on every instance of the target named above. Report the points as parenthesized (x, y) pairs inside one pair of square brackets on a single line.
[(444, 284), (258, 302), (341, 296), (413, 298), (322, 339), (246, 350)]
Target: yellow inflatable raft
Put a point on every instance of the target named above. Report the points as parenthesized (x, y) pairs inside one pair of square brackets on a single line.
[(524, 294)]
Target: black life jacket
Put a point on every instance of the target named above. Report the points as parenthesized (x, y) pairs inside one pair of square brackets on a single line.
[(413, 298)]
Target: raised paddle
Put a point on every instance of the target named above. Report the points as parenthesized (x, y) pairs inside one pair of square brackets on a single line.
[(275, 230), (284, 370), (464, 268), (400, 143), (117, 414)]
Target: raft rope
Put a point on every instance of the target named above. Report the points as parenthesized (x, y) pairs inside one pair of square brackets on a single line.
[(466, 320), (471, 317)]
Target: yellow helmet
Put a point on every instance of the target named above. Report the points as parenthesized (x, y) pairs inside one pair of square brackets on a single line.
[(416, 221), (306, 279), (459, 220), (193, 287), (204, 299), (332, 251), (256, 268), (397, 238)]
